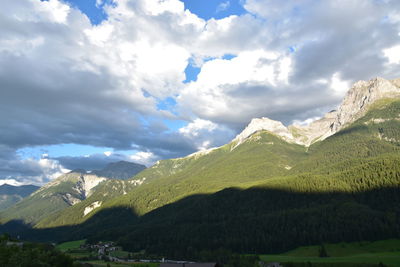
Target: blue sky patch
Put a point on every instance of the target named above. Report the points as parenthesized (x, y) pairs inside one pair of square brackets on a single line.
[(94, 12), (54, 151), (191, 72), (166, 104), (175, 125), (215, 8), (228, 56), (292, 49)]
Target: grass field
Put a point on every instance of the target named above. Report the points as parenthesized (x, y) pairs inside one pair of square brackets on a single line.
[(120, 254), (70, 245), (386, 252)]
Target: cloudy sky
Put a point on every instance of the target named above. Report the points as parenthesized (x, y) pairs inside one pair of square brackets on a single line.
[(83, 83)]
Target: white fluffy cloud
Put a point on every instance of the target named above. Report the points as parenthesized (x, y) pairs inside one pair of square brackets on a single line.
[(10, 182), (392, 54), (233, 91), (205, 134), (145, 158), (17, 171)]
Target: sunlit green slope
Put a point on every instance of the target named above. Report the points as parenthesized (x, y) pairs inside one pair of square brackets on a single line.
[(263, 156), (83, 210), (376, 133), (65, 191)]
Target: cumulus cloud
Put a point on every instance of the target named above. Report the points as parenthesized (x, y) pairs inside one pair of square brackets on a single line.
[(10, 182), (392, 54), (145, 158), (16, 170), (204, 134), (64, 80)]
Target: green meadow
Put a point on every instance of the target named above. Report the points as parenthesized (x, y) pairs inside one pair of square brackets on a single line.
[(71, 245), (386, 252)]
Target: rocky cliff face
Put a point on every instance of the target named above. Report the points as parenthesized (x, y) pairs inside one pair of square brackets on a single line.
[(361, 96), (72, 187), (86, 184)]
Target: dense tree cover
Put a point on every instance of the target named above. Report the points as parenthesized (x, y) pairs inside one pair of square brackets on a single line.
[(14, 253), (265, 221)]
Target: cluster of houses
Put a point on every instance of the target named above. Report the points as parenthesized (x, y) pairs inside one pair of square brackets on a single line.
[(101, 247)]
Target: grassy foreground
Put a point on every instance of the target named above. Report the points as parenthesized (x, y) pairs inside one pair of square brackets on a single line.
[(385, 251)]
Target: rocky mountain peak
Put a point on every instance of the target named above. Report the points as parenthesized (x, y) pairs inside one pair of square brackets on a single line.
[(266, 124), (72, 187), (360, 97)]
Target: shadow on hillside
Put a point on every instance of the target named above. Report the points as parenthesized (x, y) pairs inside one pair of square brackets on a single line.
[(101, 226), (247, 221)]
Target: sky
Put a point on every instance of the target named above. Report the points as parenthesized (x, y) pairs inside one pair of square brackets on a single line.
[(86, 83)]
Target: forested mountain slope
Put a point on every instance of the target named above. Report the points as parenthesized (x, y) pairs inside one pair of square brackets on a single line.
[(347, 188)]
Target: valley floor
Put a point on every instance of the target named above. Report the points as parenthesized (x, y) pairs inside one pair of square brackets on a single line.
[(386, 252), (365, 254)]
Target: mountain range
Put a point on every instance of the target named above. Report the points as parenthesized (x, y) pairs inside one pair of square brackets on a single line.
[(270, 189), (9, 194), (73, 188)]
